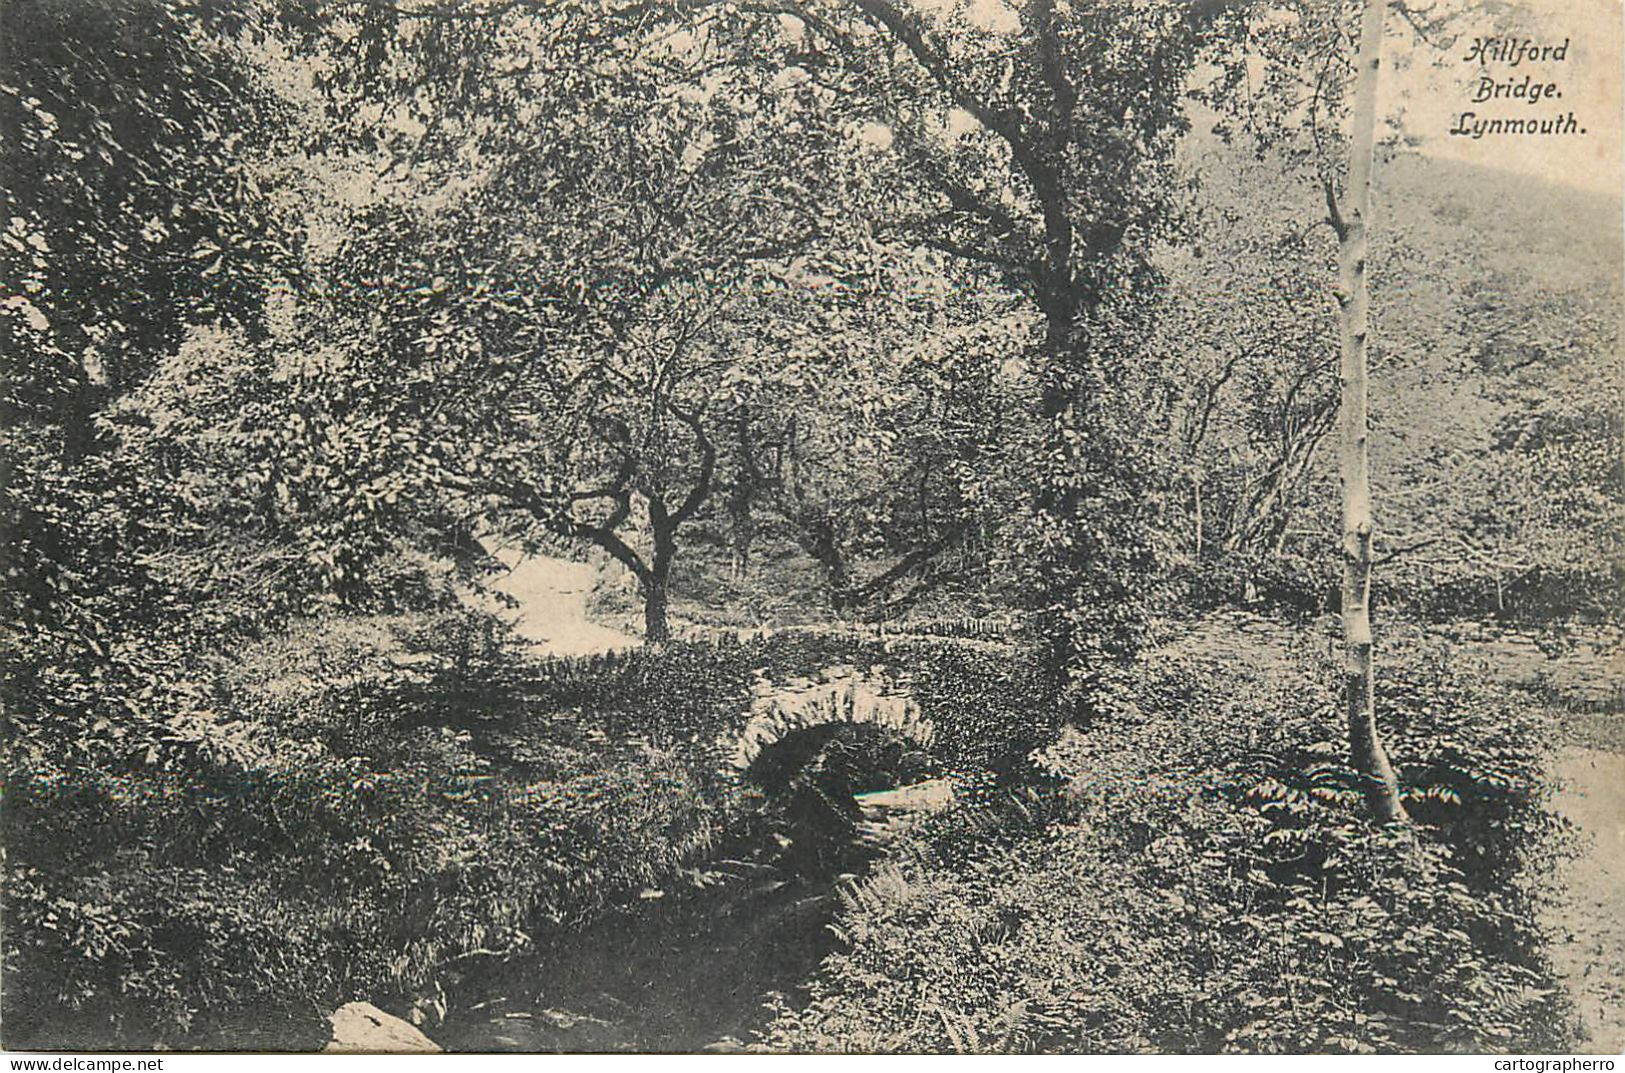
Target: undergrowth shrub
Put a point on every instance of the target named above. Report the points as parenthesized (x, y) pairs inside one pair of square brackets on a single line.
[(1210, 881), (378, 809), (344, 838)]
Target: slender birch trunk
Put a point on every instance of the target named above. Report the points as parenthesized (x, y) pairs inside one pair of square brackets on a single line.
[(1369, 758)]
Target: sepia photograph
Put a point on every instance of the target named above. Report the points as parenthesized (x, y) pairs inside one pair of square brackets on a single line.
[(812, 527)]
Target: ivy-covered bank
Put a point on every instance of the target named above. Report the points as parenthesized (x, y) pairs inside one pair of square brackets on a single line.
[(412, 822), (394, 804)]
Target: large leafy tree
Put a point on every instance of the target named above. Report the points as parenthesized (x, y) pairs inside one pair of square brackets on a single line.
[(620, 150), (564, 309), (131, 213), (128, 137), (1038, 144), (131, 206)]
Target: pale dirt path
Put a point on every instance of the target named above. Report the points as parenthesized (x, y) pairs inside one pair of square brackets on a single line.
[(552, 612), (1590, 950)]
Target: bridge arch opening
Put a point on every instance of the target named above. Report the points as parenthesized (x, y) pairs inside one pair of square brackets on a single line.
[(818, 751)]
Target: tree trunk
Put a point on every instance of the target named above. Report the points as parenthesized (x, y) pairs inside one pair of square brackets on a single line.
[(818, 538), (657, 583), (837, 578), (741, 527), (1367, 755), (741, 498), (656, 627), (740, 539), (1058, 315), (1196, 510)]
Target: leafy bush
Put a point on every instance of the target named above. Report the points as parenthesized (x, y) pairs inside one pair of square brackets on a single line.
[(1162, 935), (340, 839), (1214, 884)]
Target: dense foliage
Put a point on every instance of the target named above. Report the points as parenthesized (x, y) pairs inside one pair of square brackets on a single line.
[(1208, 882), (1495, 460), (393, 803)]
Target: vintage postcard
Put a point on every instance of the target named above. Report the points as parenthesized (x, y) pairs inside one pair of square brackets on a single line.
[(812, 526)]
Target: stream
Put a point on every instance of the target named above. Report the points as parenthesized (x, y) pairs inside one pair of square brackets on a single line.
[(550, 595), (693, 976), (696, 971), (699, 970)]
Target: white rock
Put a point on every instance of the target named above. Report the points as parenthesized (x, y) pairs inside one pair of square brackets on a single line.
[(362, 1028)]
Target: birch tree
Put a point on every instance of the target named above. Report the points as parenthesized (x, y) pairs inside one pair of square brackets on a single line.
[(1351, 221), (1294, 108)]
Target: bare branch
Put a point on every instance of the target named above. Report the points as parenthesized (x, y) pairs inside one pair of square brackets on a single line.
[(708, 465), (973, 253), (1333, 216), (908, 564), (1406, 550)]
